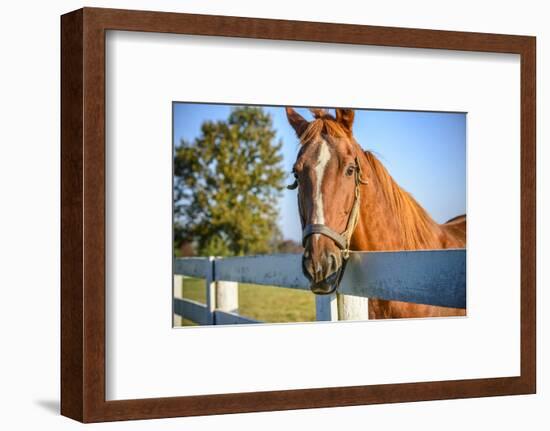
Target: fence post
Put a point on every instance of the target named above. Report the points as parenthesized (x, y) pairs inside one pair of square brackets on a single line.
[(178, 293), (210, 285), (352, 307), (326, 308), (227, 296)]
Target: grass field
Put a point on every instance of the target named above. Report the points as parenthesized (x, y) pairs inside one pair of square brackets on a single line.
[(265, 303)]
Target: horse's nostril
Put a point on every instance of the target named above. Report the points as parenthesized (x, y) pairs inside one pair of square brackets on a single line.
[(334, 264), (307, 265)]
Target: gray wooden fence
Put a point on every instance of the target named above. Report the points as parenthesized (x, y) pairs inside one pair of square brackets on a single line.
[(433, 277)]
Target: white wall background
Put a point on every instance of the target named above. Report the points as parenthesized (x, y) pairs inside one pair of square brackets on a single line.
[(29, 225)]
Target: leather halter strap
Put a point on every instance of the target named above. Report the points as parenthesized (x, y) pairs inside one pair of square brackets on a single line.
[(341, 240)]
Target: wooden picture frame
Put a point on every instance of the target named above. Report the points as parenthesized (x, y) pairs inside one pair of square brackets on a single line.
[(83, 214)]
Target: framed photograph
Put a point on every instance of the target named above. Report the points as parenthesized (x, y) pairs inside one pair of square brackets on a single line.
[(268, 215)]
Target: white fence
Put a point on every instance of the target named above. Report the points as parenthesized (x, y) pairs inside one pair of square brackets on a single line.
[(433, 277)]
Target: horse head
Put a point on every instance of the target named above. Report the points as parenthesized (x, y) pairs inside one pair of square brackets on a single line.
[(328, 178)]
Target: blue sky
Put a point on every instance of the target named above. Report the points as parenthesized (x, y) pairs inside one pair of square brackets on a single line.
[(425, 152)]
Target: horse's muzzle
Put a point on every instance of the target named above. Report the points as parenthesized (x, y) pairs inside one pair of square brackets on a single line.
[(326, 286), (323, 266)]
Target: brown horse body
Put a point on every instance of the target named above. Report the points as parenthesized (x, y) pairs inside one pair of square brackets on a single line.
[(389, 217)]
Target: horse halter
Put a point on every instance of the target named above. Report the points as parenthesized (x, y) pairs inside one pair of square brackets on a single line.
[(342, 240)]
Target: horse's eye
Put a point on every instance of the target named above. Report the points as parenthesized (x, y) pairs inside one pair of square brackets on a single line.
[(350, 170)]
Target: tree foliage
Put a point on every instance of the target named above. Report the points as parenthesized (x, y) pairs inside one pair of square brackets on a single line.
[(227, 184)]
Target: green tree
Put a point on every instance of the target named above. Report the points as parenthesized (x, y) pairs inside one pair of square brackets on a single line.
[(227, 184)]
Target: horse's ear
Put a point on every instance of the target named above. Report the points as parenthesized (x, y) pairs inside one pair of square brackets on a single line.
[(298, 123), (345, 117)]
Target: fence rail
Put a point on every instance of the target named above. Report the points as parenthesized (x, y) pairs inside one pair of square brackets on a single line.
[(191, 310), (433, 277)]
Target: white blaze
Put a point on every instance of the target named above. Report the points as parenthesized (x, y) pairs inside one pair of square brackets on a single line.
[(318, 210)]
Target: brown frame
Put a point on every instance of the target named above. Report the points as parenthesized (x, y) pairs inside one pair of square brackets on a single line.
[(83, 214)]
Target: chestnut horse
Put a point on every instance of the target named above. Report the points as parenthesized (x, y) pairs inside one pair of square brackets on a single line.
[(348, 201)]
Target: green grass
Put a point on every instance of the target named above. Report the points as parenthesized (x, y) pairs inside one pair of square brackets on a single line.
[(266, 303)]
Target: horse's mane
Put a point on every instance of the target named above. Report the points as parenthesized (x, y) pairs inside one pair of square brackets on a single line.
[(416, 225)]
